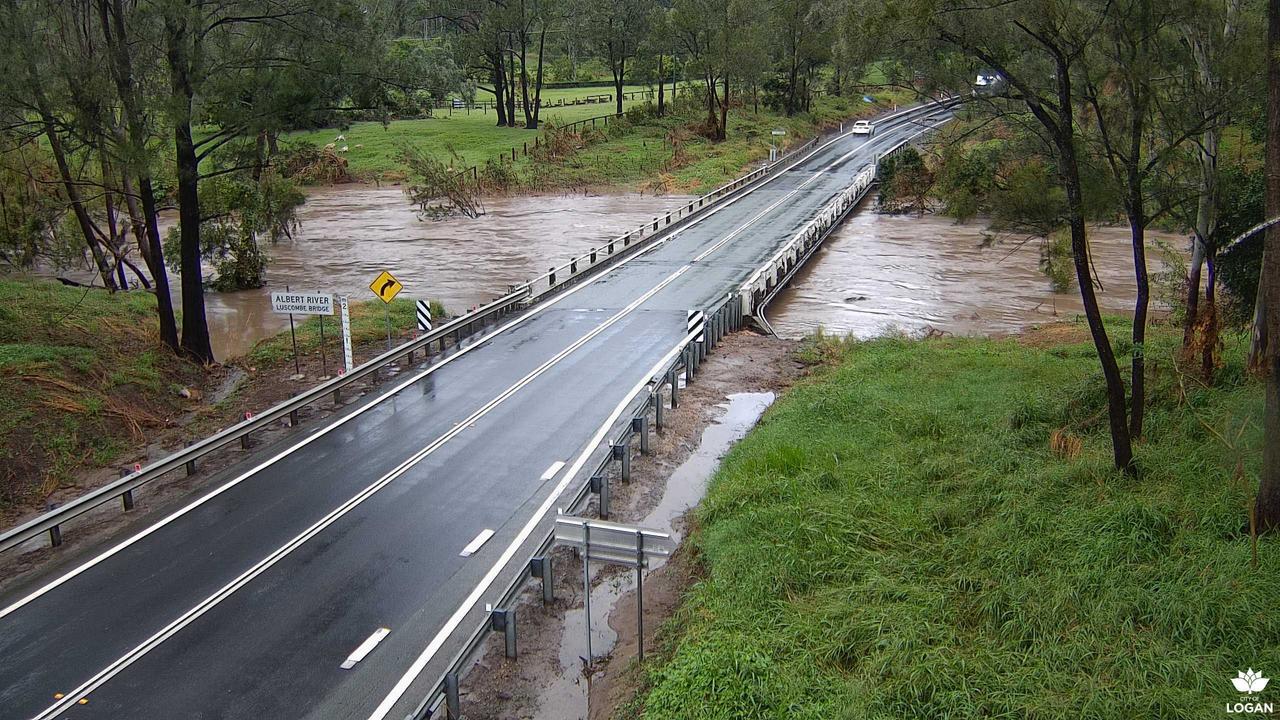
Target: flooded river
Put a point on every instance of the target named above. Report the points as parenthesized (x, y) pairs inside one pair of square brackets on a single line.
[(349, 234), (879, 272)]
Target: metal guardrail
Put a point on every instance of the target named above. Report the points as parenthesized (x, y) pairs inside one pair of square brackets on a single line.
[(51, 522), (648, 401), (520, 297)]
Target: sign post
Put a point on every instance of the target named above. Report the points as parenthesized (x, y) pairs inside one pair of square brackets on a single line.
[(302, 303), (386, 287), (617, 544)]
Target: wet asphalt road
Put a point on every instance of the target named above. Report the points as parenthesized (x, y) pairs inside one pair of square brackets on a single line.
[(245, 602)]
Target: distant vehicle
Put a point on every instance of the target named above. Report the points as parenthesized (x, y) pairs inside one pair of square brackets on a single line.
[(989, 83), (862, 127)]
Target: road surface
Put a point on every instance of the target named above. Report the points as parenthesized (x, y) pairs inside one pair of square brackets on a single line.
[(248, 601)]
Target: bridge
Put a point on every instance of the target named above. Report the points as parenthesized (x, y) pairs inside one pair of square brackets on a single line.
[(348, 571)]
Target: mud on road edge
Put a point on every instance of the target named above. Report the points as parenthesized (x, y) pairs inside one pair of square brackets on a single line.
[(496, 688)]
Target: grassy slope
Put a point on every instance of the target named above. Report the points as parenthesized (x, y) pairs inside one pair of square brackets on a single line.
[(896, 540), (82, 374)]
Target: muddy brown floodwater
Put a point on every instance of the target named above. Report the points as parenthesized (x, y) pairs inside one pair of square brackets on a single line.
[(879, 272), (350, 233)]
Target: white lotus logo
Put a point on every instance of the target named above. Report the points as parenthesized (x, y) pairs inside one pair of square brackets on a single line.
[(1249, 681)]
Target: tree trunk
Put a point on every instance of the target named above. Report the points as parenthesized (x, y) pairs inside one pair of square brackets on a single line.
[(530, 120), (511, 83), (1064, 140), (195, 327), (148, 233), (662, 83), (1268, 502), (537, 79), (723, 131), (50, 126), (619, 70), (499, 87)]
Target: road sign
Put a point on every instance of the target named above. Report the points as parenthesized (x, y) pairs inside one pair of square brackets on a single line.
[(778, 132), (386, 286), (301, 303), (613, 543), (424, 315)]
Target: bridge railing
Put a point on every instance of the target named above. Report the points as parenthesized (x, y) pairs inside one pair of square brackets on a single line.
[(627, 431)]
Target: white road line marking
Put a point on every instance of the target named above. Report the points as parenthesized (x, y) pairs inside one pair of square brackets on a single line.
[(475, 545), (551, 471), (365, 648), (266, 563), (385, 707), (550, 303), (402, 685), (191, 615)]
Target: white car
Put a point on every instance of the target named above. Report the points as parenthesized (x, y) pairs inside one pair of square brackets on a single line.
[(863, 127)]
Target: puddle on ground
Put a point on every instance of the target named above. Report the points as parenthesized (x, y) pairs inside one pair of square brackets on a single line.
[(879, 272), (565, 696)]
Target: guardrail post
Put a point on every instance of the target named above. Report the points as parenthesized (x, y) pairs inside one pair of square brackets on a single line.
[(593, 256), (245, 442), (655, 223), (658, 407), (641, 425), (622, 453), (553, 276), (675, 390), (453, 707), (55, 536), (337, 397), (573, 266), (668, 218), (600, 486), (610, 247), (504, 619), (540, 567), (126, 498), (191, 464)]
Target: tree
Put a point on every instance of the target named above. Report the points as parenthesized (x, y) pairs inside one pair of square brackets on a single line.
[(1038, 48), (618, 28), (1268, 502)]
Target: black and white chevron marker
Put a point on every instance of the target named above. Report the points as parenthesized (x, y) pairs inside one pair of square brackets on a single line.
[(697, 321), (424, 315)]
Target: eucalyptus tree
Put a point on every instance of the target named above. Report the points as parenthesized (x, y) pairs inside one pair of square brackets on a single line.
[(1039, 48), (1268, 500), (618, 28)]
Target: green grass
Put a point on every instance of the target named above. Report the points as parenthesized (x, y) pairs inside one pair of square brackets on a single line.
[(471, 134), (82, 374), (897, 540)]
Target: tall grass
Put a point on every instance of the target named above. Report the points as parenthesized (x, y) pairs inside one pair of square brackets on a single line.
[(898, 539)]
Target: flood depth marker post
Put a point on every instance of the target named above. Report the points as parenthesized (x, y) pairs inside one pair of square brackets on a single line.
[(345, 307)]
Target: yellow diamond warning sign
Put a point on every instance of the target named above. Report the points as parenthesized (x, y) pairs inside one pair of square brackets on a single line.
[(386, 286)]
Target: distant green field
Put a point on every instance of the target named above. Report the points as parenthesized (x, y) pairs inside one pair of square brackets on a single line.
[(472, 134)]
